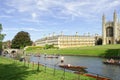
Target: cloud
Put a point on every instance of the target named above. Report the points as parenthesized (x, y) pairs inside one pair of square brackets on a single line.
[(88, 8), (63, 9), (34, 15), (30, 20), (32, 29), (5, 16), (20, 5), (23, 29), (7, 11)]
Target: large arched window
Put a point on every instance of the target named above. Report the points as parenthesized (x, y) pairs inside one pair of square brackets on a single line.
[(109, 32)]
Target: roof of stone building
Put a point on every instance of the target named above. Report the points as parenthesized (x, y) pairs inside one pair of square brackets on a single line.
[(55, 37)]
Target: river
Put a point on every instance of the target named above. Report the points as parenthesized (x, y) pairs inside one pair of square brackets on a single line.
[(94, 65)]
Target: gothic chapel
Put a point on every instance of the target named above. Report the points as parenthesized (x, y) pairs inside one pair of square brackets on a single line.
[(111, 30)]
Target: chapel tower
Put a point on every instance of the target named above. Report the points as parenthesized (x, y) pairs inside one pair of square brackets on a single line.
[(110, 30)]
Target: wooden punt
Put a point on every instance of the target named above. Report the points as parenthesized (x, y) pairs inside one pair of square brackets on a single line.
[(51, 57), (115, 63), (36, 55), (74, 68), (96, 77)]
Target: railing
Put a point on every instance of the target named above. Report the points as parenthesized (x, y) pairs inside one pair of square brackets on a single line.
[(61, 73)]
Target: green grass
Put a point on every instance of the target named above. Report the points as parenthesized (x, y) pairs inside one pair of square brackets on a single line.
[(15, 70), (102, 50)]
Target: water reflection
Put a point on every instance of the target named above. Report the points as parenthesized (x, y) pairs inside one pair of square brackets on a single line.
[(45, 61)]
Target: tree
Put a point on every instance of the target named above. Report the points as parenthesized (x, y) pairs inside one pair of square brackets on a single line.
[(1, 38), (21, 40), (49, 46), (1, 35)]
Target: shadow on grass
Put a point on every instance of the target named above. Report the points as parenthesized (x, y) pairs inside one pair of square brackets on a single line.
[(14, 72), (111, 53)]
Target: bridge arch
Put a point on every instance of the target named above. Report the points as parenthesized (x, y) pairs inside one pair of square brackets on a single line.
[(6, 52), (10, 51), (13, 51)]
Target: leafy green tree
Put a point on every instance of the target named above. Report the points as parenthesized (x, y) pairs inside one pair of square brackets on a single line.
[(49, 46), (1, 38), (1, 35), (21, 40)]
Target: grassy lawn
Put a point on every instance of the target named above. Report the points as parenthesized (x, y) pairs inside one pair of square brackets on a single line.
[(87, 51), (15, 70)]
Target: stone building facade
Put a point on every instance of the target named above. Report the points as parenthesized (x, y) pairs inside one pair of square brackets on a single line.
[(110, 30), (65, 41)]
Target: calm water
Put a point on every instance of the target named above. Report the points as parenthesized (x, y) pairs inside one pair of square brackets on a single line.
[(94, 65)]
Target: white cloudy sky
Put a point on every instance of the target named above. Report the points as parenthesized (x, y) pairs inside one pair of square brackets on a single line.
[(41, 17)]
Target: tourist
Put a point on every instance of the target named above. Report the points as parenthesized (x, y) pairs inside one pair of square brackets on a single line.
[(69, 65), (62, 59), (112, 60), (107, 61)]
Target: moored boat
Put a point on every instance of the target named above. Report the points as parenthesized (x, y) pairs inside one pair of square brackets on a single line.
[(97, 77), (74, 68), (37, 55), (112, 62), (51, 57), (115, 63)]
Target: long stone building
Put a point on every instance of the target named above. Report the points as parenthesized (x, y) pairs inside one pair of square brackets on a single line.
[(110, 35), (111, 30), (65, 41)]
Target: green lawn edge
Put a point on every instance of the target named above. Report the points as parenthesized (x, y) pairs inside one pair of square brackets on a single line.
[(102, 50), (14, 70)]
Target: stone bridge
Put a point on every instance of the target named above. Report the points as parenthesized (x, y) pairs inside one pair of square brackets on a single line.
[(12, 51)]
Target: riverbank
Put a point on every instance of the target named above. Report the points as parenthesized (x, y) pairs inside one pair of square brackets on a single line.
[(101, 51), (14, 70)]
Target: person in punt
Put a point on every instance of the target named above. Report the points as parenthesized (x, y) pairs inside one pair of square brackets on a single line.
[(112, 60), (62, 59), (69, 65), (107, 61)]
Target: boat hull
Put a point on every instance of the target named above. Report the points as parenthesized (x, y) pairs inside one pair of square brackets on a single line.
[(111, 63), (74, 68)]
